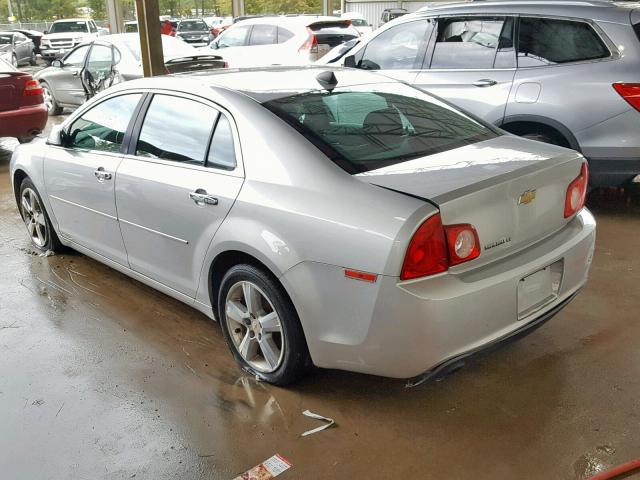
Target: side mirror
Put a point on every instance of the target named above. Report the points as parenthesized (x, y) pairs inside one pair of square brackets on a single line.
[(57, 63), (57, 136), (350, 61), (45, 32)]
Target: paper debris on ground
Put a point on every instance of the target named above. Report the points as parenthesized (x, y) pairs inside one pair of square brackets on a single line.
[(330, 421), (48, 253), (270, 468)]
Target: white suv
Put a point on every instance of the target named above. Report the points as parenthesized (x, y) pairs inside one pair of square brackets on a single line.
[(296, 40), (66, 34)]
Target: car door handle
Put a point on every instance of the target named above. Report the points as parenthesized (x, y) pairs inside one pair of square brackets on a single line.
[(201, 197), (102, 175), (485, 82)]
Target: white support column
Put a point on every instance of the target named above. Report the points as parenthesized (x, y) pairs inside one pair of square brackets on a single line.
[(237, 8), (326, 7), (114, 14)]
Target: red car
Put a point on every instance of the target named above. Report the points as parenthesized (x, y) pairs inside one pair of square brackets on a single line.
[(22, 111)]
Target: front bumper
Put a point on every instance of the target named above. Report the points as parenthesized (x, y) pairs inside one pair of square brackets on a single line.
[(403, 329), (54, 53), (24, 121)]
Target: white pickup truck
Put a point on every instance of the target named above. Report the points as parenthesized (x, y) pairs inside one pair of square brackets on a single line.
[(66, 34)]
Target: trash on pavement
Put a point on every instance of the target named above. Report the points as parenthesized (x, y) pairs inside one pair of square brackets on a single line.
[(330, 421), (270, 468)]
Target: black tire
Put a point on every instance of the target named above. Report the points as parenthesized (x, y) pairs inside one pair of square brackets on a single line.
[(294, 359), (51, 241), (33, 60), (542, 137), (53, 108)]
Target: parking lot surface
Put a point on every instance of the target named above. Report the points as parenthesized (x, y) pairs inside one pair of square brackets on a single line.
[(103, 377)]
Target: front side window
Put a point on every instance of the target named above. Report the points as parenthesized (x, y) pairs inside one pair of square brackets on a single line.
[(364, 128), (100, 61), (222, 153), (549, 41), (176, 129), (467, 43), (76, 57), (264, 35), (103, 127), (234, 37), (398, 48)]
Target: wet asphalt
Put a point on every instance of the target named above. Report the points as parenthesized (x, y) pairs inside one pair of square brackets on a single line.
[(103, 377)]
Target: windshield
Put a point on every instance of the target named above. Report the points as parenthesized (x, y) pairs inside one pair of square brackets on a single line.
[(63, 27), (367, 127), (393, 15), (5, 39), (171, 47), (192, 26)]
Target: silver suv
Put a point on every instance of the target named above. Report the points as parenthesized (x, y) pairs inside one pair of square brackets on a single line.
[(562, 72)]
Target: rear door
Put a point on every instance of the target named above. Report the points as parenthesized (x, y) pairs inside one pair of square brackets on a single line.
[(398, 52), (80, 177), (471, 62), (176, 186)]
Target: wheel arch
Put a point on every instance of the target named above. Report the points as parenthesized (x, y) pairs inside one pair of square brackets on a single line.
[(18, 177), (515, 123)]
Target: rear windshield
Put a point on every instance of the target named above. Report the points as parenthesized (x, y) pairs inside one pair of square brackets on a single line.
[(64, 27), (171, 47), (363, 128), (334, 33)]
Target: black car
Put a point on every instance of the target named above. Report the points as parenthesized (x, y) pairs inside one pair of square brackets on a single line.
[(196, 32), (33, 35)]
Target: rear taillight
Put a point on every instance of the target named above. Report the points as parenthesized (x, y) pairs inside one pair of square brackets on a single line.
[(435, 247), (463, 243), (310, 44), (32, 87), (577, 192), (630, 92)]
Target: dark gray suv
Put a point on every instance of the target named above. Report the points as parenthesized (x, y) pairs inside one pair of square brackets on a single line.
[(563, 72)]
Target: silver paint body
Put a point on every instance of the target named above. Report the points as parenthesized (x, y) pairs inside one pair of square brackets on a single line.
[(575, 98), (306, 220)]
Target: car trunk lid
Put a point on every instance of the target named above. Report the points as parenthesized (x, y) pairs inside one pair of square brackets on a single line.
[(12, 90), (192, 63), (511, 190)]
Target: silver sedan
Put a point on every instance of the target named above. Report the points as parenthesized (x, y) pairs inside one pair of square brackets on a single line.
[(325, 217)]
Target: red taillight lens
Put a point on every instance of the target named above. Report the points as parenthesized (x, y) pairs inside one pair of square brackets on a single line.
[(463, 243), (630, 92), (32, 87), (427, 252), (310, 44), (577, 192)]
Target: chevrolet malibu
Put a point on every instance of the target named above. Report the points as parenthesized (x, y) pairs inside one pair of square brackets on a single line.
[(325, 217)]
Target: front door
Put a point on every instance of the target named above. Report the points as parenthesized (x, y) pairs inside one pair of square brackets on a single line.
[(471, 63), (65, 80), (176, 187), (80, 176), (98, 72)]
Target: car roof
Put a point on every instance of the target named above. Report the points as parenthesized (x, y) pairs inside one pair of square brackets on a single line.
[(72, 20), (589, 9), (298, 20), (260, 84)]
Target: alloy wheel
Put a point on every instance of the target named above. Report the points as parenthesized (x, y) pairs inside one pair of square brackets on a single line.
[(48, 99), (34, 218), (254, 327)]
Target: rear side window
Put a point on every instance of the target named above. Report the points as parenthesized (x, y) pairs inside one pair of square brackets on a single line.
[(222, 152), (103, 127), (284, 35), (548, 41), (468, 43), (362, 128), (235, 36), (264, 35), (398, 48), (177, 129)]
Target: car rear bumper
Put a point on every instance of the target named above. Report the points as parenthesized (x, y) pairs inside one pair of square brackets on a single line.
[(23, 122), (608, 172), (403, 329)]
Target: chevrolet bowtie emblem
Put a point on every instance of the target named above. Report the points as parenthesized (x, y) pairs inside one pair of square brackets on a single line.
[(527, 197)]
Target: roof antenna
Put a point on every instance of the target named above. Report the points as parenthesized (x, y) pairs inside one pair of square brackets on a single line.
[(327, 80)]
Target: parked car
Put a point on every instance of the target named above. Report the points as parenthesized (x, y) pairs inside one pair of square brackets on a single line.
[(359, 22), (268, 41), (131, 26), (195, 32), (17, 48), (323, 216), (569, 78), (66, 34), (389, 14), (95, 66), (33, 35), (22, 111)]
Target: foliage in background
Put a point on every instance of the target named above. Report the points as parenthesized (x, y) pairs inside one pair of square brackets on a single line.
[(36, 10)]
